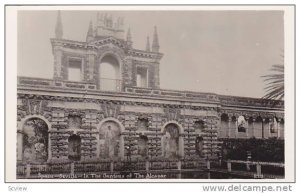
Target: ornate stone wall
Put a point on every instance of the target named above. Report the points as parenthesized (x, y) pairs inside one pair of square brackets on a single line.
[(88, 119)]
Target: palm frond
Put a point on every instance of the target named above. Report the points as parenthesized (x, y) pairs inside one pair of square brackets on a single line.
[(275, 83)]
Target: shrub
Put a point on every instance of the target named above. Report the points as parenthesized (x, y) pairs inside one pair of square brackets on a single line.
[(268, 150)]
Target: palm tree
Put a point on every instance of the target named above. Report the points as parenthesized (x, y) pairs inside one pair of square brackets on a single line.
[(275, 83)]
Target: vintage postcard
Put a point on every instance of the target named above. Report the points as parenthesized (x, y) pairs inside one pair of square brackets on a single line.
[(150, 94)]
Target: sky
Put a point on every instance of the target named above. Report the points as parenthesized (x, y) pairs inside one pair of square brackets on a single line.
[(222, 52)]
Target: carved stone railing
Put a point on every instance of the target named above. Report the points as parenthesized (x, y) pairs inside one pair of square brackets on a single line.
[(115, 85), (107, 84), (173, 93), (246, 101), (48, 83)]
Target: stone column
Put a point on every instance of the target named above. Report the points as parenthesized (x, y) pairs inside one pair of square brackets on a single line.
[(248, 165), (49, 147), (57, 62), (98, 144), (229, 126), (147, 165), (262, 128), (269, 127), (19, 145), (72, 168), (278, 128), (179, 165), (236, 128), (181, 146), (229, 166), (122, 146), (258, 169), (90, 67), (208, 164), (253, 124), (247, 126), (28, 170), (111, 166)]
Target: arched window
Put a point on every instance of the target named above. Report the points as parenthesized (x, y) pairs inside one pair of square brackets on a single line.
[(35, 141), (109, 74)]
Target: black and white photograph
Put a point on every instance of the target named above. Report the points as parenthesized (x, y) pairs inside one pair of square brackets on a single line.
[(152, 94)]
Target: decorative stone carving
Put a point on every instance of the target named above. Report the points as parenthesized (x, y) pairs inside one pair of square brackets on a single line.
[(172, 113), (109, 140), (110, 110), (142, 124), (35, 141)]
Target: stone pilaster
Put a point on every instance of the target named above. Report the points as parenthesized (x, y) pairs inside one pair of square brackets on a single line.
[(58, 56)]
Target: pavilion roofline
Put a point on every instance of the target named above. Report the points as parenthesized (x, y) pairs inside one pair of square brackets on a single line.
[(99, 42)]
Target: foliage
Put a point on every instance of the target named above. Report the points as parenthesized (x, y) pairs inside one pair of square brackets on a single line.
[(268, 150), (275, 83)]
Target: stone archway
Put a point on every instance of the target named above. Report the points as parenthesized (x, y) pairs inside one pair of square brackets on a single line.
[(33, 144), (110, 139), (172, 141), (109, 72)]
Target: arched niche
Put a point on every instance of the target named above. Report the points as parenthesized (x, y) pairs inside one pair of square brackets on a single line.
[(143, 146), (74, 147), (33, 140), (109, 73), (273, 126), (199, 146), (199, 127), (242, 124), (110, 139), (172, 141)]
